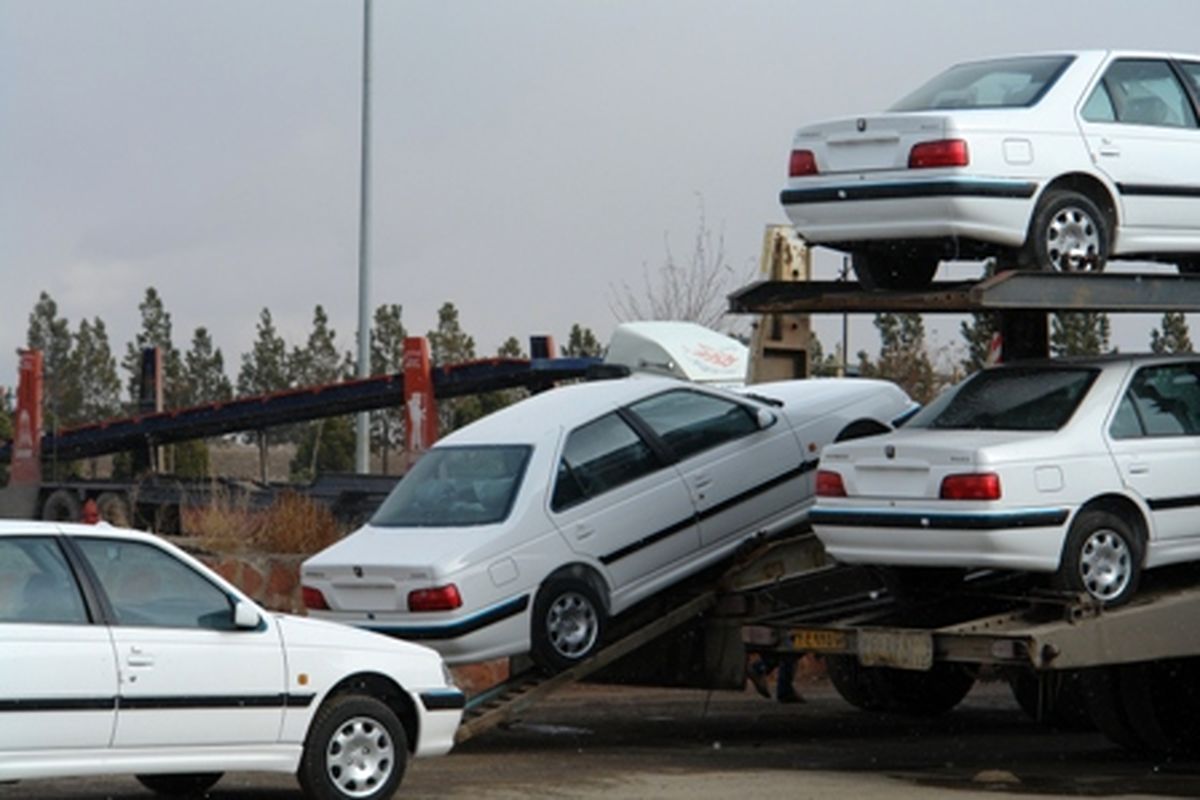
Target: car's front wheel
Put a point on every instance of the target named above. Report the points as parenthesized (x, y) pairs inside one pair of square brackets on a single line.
[(1102, 556), (356, 750), (897, 270), (568, 623), (1069, 233), (191, 784)]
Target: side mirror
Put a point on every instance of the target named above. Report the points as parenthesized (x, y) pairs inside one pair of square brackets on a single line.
[(766, 419), (245, 616)]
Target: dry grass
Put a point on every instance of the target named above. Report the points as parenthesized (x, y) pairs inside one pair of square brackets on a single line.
[(291, 524)]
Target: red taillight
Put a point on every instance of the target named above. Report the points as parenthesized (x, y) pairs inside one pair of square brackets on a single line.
[(942, 153), (313, 599), (802, 163), (977, 486), (439, 598), (829, 484)]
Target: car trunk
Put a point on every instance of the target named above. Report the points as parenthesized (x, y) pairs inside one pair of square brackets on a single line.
[(869, 144)]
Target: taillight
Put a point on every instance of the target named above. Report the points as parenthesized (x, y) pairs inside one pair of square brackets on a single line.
[(942, 153), (829, 484), (313, 599), (974, 486), (439, 598), (802, 163)]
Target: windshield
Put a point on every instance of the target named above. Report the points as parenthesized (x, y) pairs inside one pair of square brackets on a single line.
[(452, 486), (1009, 399), (1004, 83)]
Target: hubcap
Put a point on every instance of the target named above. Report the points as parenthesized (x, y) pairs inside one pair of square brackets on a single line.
[(572, 624), (1105, 564), (360, 757), (1073, 241)]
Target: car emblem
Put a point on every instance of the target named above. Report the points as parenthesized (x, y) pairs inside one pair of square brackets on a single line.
[(889, 451), (358, 572), (861, 124)]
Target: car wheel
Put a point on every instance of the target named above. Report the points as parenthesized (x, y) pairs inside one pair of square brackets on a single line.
[(193, 784), (568, 623), (356, 750), (878, 269), (1069, 233), (1102, 556)]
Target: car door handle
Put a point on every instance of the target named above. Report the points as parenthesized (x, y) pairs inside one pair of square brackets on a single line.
[(1108, 148), (1139, 469), (701, 481), (139, 658), (583, 531)]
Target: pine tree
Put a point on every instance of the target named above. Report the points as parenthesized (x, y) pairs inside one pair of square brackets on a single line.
[(95, 370), (319, 361), (155, 332), (1079, 334), (978, 334), (1173, 338), (204, 370), (264, 368), (387, 358), (581, 342), (819, 364), (902, 357), (51, 334), (450, 344)]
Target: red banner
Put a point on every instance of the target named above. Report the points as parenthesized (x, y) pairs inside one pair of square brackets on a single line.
[(420, 410), (27, 423)]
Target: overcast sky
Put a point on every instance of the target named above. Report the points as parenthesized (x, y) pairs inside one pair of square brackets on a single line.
[(528, 155)]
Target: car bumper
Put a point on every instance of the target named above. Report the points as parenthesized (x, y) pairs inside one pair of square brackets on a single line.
[(1024, 539), (996, 211), (442, 713)]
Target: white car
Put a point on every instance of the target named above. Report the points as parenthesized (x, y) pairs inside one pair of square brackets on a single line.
[(528, 529), (1089, 469), (1053, 162), (121, 653)]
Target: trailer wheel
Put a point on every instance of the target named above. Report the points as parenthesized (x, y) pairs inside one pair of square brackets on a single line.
[(1068, 233), (114, 509), (900, 690), (568, 623), (1102, 556), (1054, 699), (61, 506)]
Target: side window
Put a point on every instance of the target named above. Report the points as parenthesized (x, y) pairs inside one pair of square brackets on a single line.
[(149, 587), (599, 456), (690, 422), (36, 585), (1167, 400), (1099, 107), (1125, 424), (1192, 70), (1148, 93)]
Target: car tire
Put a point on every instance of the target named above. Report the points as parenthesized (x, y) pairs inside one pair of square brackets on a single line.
[(878, 270), (191, 784), (568, 623), (61, 506), (360, 726), (1102, 557), (114, 509), (1068, 233), (1055, 700)]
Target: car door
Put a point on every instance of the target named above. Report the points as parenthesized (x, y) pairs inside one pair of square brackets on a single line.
[(1141, 130), (617, 500), (1155, 439), (187, 675), (739, 472), (58, 674)]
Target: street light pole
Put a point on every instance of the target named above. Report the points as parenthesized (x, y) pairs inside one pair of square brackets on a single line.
[(362, 450)]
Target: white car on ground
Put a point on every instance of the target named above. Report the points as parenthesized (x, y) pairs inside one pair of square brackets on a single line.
[(121, 653), (1089, 469), (1055, 162), (528, 529)]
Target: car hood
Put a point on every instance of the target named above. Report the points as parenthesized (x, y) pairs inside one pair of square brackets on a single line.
[(315, 633)]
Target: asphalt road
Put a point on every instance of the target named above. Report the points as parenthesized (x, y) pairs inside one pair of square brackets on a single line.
[(620, 742)]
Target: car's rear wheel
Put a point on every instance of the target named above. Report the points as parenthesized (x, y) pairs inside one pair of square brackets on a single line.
[(191, 784), (897, 270), (1069, 233), (1102, 556), (568, 623), (356, 750)]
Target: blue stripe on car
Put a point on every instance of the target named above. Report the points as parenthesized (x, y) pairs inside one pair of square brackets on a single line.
[(971, 520), (903, 190), (460, 627)]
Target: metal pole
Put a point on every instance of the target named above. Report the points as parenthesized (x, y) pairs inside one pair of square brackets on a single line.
[(845, 274), (362, 450)]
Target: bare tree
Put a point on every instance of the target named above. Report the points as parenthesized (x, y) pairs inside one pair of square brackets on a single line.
[(693, 291)]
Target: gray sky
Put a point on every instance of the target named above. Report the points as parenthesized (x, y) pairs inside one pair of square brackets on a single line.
[(529, 155)]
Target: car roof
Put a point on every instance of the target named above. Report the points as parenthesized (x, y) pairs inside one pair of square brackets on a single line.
[(16, 527), (1106, 360)]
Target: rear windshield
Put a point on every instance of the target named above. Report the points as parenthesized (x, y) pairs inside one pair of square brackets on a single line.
[(1003, 83), (1009, 399), (454, 486)]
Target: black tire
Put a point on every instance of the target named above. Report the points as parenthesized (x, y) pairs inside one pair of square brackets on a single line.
[(1102, 556), (191, 784), (569, 620), (1053, 699), (900, 691), (61, 506), (1189, 264), (897, 270), (376, 735), (114, 509), (1068, 233)]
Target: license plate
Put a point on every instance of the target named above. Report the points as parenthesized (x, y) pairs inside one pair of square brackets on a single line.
[(821, 641), (903, 649)]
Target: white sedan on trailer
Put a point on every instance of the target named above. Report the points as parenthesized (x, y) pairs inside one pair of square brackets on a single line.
[(1088, 469), (528, 529), (1056, 161), (121, 653)]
